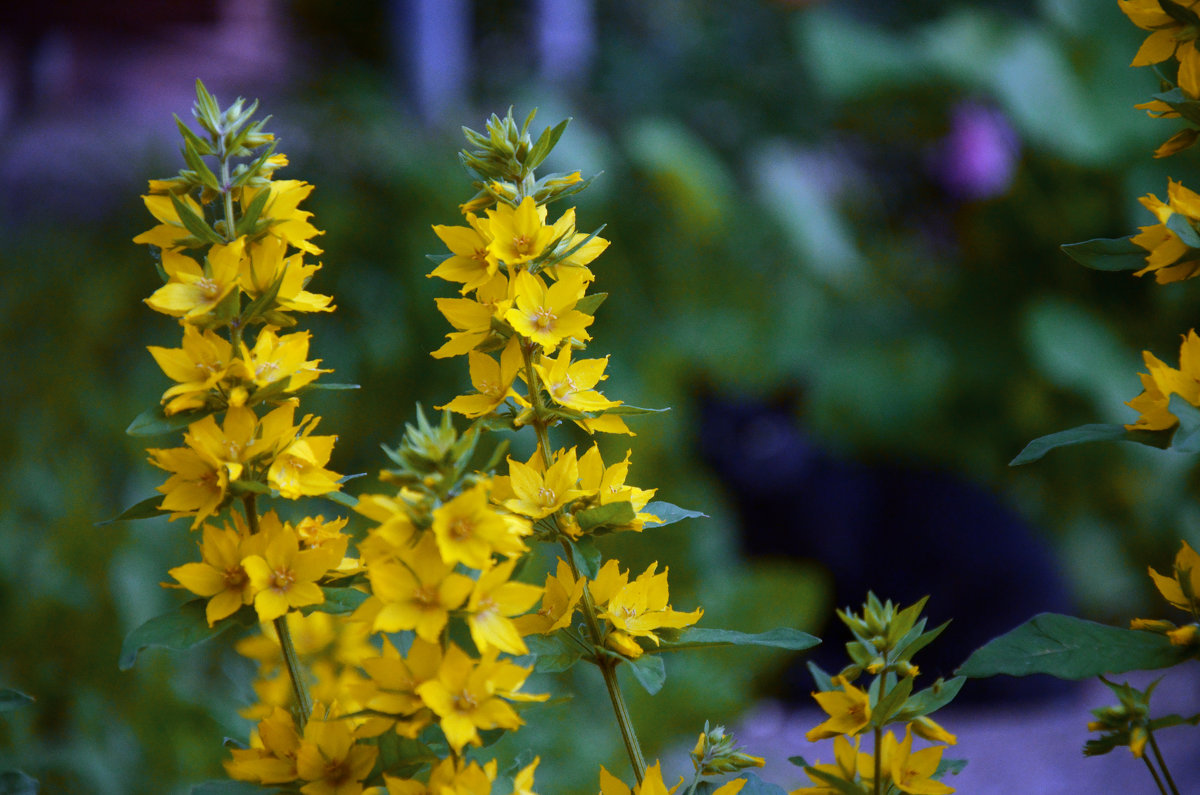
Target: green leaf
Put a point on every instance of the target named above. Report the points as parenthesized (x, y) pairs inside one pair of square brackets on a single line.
[(229, 787), (555, 653), (1071, 648), (251, 214), (1184, 16), (822, 680), (613, 514), (177, 630), (1107, 254), (625, 408), (341, 498), (949, 767), (545, 144), (1187, 437), (323, 385), (835, 782), (201, 146), (931, 699), (587, 557), (669, 514), (152, 421), (193, 159), (753, 786), (194, 223), (253, 169), (882, 712), (146, 509), (1099, 432), (338, 601), (11, 699), (706, 638), (590, 303), (14, 782), (649, 671), (1181, 226), (798, 761)]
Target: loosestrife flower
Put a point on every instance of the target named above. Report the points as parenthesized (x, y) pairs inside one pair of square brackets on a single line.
[(1162, 381), (849, 711), (1171, 259)]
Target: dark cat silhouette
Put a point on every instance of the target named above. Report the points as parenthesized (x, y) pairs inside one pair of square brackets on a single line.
[(899, 530)]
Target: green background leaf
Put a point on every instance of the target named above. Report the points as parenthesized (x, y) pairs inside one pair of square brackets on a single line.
[(1071, 648), (177, 630)]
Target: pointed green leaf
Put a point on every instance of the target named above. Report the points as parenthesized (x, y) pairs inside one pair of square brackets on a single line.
[(613, 514), (1071, 648), (949, 767), (707, 637), (822, 680), (1184, 16), (201, 146), (1101, 432), (251, 214), (881, 713), (555, 653), (1182, 227), (1187, 437), (587, 557), (146, 509), (836, 783), (650, 672), (153, 422), (179, 629), (193, 159), (338, 601), (545, 144), (253, 169), (590, 303), (194, 223), (341, 498), (625, 408), (1107, 254), (669, 514), (931, 699), (11, 699)]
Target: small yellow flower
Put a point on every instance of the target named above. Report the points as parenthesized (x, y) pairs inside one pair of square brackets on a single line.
[(540, 494), (519, 233), (472, 263), (849, 711), (572, 385), (912, 772), (331, 761), (193, 291), (284, 577), (1186, 570), (1170, 259), (472, 317), (1162, 381), (493, 601), (469, 530), (547, 315), (419, 592), (492, 380), (271, 758), (844, 768), (220, 576), (1168, 36)]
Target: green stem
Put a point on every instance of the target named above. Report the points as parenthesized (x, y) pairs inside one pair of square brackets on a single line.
[(1154, 773), (1162, 763), (226, 191), (878, 787), (608, 667), (290, 658)]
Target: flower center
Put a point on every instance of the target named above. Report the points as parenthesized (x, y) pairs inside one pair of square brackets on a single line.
[(208, 288), (461, 528), (543, 318), (282, 579), (547, 496)]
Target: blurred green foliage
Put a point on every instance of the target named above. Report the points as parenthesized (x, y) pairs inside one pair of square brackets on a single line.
[(767, 190)]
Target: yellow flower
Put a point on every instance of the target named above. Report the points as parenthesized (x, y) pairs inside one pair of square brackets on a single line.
[(468, 695), (392, 688), (571, 385), (472, 262), (492, 381), (912, 772), (271, 758), (547, 315), (560, 597), (472, 316), (608, 484), (1163, 381), (220, 576), (267, 266), (519, 234), (284, 577), (653, 784), (170, 233), (469, 530), (193, 291), (1186, 570), (1170, 259), (297, 459), (849, 711), (493, 601), (844, 768), (331, 761), (451, 776), (636, 609), (538, 494), (1168, 37), (203, 363), (277, 359), (288, 223), (419, 592)]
